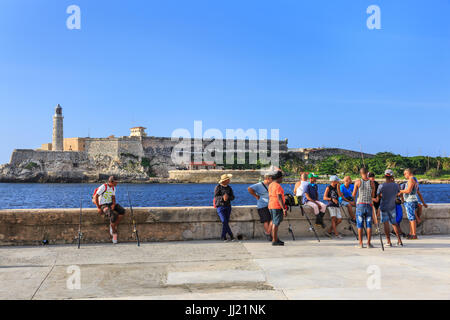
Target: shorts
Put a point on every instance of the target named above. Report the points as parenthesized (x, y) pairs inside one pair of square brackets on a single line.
[(112, 214), (364, 214), (411, 210), (277, 216), (345, 203), (389, 216), (335, 212), (264, 215)]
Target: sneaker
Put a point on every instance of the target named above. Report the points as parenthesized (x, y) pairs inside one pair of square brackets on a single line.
[(225, 239), (278, 243), (360, 246), (328, 234), (268, 236), (114, 239), (411, 237), (339, 236), (369, 246)]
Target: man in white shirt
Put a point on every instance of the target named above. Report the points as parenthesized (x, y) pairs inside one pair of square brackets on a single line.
[(300, 186), (105, 200)]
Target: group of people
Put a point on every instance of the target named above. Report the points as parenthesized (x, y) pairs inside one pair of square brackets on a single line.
[(371, 200)]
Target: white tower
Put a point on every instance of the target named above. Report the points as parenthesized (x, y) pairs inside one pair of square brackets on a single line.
[(58, 135)]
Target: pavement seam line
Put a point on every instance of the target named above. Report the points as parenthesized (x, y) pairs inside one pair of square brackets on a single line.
[(45, 278)]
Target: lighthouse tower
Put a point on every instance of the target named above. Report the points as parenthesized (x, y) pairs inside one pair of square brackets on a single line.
[(58, 136)]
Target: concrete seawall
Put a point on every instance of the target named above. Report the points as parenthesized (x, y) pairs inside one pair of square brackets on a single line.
[(60, 226)]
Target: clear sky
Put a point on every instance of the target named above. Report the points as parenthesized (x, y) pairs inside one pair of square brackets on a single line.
[(309, 68)]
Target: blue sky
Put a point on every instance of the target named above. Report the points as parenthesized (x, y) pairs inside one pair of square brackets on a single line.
[(309, 68)]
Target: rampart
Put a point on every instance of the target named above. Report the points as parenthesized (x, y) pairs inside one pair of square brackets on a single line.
[(213, 176), (60, 226)]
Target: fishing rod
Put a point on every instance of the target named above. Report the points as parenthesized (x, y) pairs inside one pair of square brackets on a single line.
[(290, 230), (133, 221), (79, 225), (362, 156), (378, 226), (311, 227)]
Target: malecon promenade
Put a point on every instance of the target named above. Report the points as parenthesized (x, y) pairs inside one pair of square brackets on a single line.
[(179, 259)]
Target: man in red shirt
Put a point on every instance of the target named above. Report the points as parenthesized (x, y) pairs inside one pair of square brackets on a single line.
[(277, 206)]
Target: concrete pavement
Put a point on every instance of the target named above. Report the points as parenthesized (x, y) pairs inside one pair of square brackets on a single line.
[(303, 269)]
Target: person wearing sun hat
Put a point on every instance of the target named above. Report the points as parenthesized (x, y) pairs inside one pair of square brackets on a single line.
[(311, 199), (331, 195), (388, 192), (223, 195)]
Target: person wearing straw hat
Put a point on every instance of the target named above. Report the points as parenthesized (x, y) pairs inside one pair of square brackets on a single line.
[(223, 195), (331, 195)]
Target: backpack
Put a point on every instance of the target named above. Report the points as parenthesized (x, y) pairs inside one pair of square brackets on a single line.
[(95, 192), (290, 200)]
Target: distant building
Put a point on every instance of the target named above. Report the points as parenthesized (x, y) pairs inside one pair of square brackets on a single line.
[(74, 144), (138, 132), (46, 147)]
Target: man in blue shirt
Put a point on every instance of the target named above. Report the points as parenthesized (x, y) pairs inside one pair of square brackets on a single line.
[(261, 193), (347, 199)]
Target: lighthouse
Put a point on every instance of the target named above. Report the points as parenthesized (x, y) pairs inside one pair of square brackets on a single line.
[(58, 136)]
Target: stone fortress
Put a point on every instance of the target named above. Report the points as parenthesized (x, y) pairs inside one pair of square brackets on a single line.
[(137, 157)]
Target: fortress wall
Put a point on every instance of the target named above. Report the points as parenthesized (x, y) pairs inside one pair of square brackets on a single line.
[(212, 176), (60, 226), (38, 156), (106, 147), (132, 146)]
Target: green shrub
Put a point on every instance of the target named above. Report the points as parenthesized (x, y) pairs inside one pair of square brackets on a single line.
[(31, 165)]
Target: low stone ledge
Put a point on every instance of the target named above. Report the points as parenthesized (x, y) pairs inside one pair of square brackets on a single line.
[(60, 226)]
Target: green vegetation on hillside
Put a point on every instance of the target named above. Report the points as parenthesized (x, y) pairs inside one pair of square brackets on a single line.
[(425, 167)]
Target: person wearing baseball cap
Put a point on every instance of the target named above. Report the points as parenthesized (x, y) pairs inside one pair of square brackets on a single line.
[(387, 192), (105, 200), (277, 206), (223, 195), (311, 199)]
